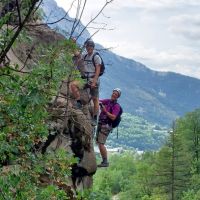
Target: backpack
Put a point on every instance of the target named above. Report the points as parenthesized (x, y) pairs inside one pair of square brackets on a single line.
[(102, 70), (115, 123)]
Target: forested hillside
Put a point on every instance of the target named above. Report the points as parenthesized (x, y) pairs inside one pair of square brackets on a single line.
[(172, 173), (136, 133), (159, 97)]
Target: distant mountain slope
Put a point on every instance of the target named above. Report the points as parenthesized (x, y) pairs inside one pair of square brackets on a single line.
[(136, 133), (156, 96), (54, 14)]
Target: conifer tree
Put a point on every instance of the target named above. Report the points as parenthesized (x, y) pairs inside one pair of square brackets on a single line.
[(189, 126), (172, 167)]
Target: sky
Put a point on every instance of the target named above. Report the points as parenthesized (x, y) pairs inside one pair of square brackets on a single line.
[(164, 35)]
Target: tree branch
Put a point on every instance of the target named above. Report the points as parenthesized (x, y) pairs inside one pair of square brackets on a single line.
[(5, 51), (19, 13), (107, 2), (72, 31)]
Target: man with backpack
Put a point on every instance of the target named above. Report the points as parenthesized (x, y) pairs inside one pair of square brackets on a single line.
[(109, 118), (93, 68)]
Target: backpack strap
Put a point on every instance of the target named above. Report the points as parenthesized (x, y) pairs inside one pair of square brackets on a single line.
[(87, 74), (85, 57), (102, 69), (93, 62), (96, 53)]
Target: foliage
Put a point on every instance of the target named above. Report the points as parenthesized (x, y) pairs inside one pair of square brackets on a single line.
[(189, 127), (94, 195), (191, 194), (168, 174), (21, 180), (113, 180), (24, 100)]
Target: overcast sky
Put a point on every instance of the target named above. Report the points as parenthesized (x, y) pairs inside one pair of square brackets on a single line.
[(162, 34)]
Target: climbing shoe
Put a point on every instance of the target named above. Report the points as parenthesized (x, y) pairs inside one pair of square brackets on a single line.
[(103, 164), (94, 121)]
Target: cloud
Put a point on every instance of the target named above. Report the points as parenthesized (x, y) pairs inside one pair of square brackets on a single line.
[(162, 34), (158, 3), (187, 26), (92, 7), (184, 60)]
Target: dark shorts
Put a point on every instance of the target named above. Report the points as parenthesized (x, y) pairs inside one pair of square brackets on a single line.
[(102, 133), (95, 91)]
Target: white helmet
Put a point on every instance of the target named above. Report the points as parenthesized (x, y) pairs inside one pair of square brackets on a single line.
[(118, 90)]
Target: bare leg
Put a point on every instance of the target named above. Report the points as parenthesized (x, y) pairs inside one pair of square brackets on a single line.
[(74, 88), (103, 151), (96, 105)]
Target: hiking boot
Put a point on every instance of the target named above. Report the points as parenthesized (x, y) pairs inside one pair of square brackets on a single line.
[(94, 121), (103, 164)]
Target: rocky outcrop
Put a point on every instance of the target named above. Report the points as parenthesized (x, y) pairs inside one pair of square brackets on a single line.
[(69, 128), (26, 50)]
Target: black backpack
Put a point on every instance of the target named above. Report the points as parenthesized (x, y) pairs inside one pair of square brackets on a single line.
[(102, 70), (115, 123)]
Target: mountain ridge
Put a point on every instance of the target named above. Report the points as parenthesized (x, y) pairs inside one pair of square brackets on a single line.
[(158, 97), (161, 96)]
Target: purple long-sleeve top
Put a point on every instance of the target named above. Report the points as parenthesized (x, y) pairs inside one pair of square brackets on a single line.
[(111, 106)]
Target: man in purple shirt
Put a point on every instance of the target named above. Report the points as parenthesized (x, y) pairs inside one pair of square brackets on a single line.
[(109, 111)]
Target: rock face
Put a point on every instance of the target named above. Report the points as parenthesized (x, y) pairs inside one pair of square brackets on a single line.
[(26, 51), (69, 128)]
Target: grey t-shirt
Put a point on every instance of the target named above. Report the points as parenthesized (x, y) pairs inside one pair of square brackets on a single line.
[(89, 68)]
